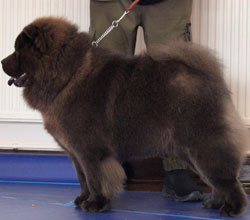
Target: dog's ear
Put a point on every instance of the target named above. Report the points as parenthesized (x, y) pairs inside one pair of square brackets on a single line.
[(38, 38), (31, 32)]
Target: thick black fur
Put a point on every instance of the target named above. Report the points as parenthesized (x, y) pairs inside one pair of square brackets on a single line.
[(103, 108)]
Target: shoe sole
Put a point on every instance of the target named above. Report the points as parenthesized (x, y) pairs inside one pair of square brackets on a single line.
[(192, 197)]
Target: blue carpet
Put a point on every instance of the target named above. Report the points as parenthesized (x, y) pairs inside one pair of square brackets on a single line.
[(53, 202)]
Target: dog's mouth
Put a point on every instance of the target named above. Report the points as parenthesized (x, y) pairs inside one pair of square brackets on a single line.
[(20, 81)]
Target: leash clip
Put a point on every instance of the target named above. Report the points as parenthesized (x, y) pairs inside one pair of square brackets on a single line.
[(114, 24)]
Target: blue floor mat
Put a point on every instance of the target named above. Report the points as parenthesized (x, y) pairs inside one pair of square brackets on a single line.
[(54, 202)]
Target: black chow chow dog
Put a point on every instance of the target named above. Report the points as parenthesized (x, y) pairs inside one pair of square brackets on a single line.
[(103, 108)]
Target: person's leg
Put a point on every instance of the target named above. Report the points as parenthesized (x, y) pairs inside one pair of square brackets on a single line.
[(172, 162), (122, 38), (162, 23), (177, 183), (167, 21)]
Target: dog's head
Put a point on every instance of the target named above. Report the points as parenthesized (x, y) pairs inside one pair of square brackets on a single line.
[(36, 48)]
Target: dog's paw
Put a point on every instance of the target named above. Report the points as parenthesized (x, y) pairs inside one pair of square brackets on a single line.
[(226, 210), (212, 202), (232, 210), (98, 204), (79, 200)]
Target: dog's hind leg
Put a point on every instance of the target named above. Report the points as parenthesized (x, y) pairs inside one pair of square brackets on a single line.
[(104, 176), (217, 149), (219, 163), (215, 201)]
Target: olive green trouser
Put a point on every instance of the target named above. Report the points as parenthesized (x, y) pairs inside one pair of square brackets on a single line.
[(161, 22)]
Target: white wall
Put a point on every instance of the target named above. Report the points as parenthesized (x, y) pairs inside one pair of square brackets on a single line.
[(223, 25), (20, 127)]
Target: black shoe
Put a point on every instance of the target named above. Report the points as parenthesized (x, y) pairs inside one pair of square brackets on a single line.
[(179, 186)]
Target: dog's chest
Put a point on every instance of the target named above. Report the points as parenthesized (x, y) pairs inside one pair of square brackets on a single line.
[(52, 125)]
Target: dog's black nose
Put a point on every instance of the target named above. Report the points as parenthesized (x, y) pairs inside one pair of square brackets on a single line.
[(2, 61)]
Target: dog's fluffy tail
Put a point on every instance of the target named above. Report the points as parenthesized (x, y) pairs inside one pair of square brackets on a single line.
[(191, 54)]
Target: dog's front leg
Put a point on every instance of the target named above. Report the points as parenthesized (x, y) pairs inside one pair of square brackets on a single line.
[(104, 176), (81, 178)]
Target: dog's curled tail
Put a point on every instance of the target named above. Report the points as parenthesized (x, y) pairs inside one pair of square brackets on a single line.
[(191, 54)]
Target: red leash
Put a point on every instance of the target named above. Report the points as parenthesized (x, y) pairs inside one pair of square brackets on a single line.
[(134, 3)]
